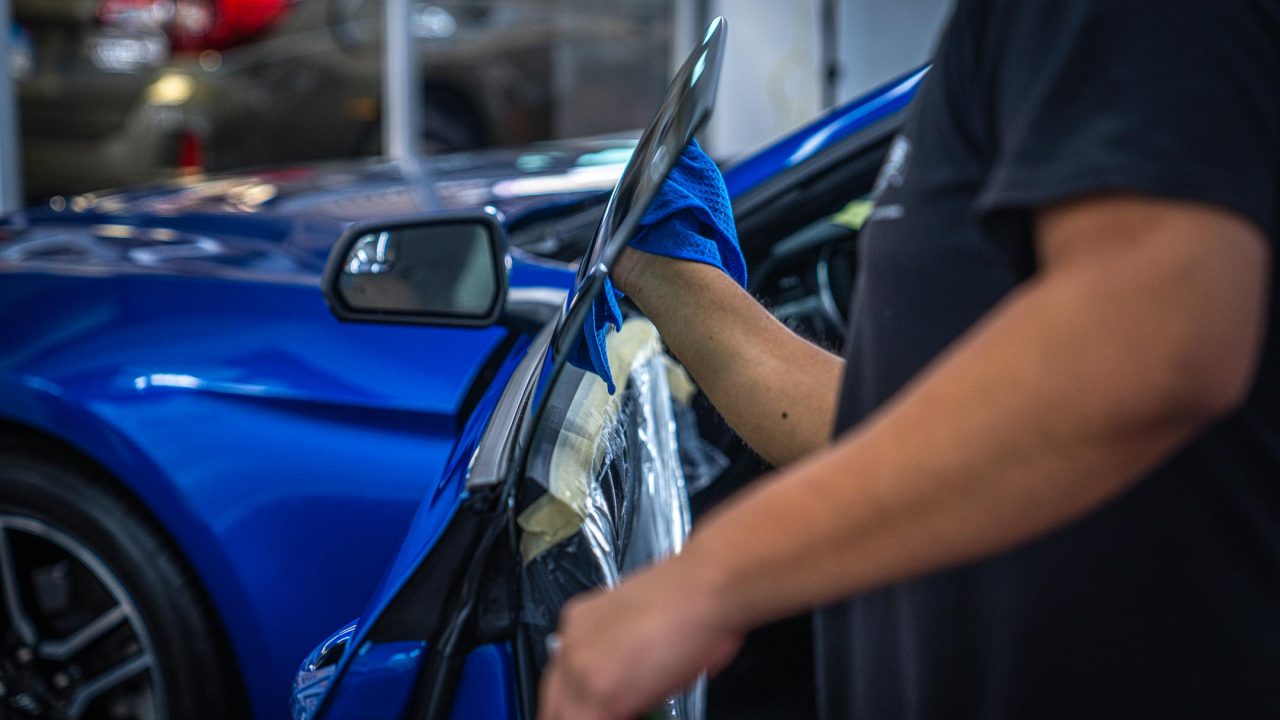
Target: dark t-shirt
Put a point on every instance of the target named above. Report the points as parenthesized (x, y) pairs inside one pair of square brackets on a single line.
[(1166, 602)]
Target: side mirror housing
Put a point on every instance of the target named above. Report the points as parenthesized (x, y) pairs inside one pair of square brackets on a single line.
[(445, 270)]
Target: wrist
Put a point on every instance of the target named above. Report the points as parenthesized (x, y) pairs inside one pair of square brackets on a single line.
[(713, 587), (647, 278), (629, 267)]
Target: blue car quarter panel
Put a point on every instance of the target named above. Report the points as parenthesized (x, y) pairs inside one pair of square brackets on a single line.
[(285, 452)]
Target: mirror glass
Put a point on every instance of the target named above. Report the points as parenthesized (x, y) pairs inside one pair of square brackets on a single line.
[(438, 269)]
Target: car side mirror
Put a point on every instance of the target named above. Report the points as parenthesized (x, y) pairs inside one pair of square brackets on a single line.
[(435, 271)]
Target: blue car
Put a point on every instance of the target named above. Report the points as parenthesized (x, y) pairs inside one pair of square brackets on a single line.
[(238, 412)]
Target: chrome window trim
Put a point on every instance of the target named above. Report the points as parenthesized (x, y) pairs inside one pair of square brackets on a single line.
[(496, 449)]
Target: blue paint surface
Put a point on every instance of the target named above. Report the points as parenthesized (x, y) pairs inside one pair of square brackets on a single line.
[(286, 453), (378, 683)]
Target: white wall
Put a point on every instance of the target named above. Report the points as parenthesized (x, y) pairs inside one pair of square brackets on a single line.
[(880, 39), (775, 75), (772, 79)]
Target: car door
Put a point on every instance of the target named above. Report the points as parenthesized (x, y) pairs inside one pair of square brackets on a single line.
[(567, 488)]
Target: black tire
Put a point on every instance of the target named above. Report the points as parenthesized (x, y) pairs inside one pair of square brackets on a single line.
[(192, 665)]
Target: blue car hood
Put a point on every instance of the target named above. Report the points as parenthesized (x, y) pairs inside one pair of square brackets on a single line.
[(279, 225)]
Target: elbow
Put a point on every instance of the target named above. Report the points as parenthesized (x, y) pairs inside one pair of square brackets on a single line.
[(1208, 387), (1204, 354), (1221, 399)]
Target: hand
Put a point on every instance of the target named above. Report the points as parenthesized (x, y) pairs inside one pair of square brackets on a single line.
[(623, 651)]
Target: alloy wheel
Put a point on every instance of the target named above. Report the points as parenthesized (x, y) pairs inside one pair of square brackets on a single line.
[(74, 645)]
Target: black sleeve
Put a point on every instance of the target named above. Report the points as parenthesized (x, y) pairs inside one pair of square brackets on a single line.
[(1171, 98)]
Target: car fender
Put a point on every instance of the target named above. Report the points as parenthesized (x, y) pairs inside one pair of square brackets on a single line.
[(31, 404)]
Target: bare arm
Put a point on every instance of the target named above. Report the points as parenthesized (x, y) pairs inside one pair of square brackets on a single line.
[(1143, 327), (775, 389)]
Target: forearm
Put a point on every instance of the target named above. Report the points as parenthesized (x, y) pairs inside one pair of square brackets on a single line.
[(774, 388), (1061, 399)]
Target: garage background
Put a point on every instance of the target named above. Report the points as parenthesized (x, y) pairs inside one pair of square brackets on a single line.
[(113, 92)]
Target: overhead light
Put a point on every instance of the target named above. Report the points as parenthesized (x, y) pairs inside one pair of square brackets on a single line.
[(119, 53), (432, 22), (170, 89)]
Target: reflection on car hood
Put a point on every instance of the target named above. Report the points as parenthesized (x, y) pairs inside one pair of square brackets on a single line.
[(279, 225)]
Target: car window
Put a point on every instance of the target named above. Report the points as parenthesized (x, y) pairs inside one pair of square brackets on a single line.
[(605, 486)]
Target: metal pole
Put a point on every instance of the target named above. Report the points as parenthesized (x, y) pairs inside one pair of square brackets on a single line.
[(830, 52), (11, 199), (401, 88)]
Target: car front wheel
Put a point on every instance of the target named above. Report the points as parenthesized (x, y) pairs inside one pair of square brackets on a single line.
[(100, 619)]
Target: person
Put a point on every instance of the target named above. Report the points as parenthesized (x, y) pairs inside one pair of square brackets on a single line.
[(1054, 488)]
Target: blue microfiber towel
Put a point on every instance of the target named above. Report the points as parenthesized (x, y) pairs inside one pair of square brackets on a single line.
[(690, 219)]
